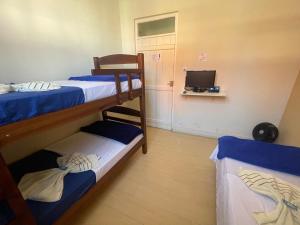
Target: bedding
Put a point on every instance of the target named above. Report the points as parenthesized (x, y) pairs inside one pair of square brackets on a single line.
[(75, 186), (48, 185), (235, 201), (15, 106), (285, 195), (109, 150)]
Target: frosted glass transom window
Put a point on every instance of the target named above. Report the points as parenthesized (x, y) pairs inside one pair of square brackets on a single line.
[(157, 27)]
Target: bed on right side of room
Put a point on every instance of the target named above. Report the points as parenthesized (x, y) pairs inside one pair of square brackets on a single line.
[(256, 182)]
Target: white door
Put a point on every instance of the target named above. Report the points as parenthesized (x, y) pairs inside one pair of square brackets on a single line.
[(159, 75), (156, 38)]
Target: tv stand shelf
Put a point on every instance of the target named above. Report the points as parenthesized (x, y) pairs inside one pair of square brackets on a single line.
[(204, 94)]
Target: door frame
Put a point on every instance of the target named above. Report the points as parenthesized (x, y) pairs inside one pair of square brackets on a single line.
[(136, 37)]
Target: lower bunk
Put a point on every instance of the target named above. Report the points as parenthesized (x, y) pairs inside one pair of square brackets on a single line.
[(112, 142)]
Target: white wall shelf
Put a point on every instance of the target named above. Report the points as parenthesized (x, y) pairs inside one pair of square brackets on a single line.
[(204, 94)]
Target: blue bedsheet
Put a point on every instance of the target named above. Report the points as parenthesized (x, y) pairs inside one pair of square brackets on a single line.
[(75, 186), (102, 78), (17, 106), (272, 156)]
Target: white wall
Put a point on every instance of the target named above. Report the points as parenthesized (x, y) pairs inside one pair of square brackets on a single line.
[(290, 124), (253, 45), (52, 39)]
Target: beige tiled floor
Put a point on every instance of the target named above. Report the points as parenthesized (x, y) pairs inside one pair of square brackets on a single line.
[(174, 184)]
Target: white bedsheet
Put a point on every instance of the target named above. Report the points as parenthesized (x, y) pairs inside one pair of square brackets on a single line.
[(94, 90), (109, 150), (235, 202)]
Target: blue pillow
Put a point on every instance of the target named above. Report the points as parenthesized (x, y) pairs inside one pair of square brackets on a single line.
[(271, 156), (120, 132)]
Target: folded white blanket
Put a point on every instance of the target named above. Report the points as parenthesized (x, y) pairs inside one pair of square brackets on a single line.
[(48, 185), (35, 86), (287, 197), (4, 88)]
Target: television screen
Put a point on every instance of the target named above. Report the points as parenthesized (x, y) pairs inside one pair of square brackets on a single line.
[(200, 79)]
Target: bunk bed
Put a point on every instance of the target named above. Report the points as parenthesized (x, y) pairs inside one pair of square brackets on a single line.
[(110, 103)]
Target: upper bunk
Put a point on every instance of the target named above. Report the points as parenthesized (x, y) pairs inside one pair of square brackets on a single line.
[(25, 113)]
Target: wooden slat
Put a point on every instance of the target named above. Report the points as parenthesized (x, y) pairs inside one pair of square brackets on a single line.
[(129, 78), (124, 110), (104, 115), (99, 72), (118, 87), (135, 93), (115, 59), (123, 120)]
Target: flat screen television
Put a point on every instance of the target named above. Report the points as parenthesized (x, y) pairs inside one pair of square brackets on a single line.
[(200, 79)]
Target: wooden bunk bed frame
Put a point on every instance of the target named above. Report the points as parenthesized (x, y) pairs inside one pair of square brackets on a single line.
[(12, 132)]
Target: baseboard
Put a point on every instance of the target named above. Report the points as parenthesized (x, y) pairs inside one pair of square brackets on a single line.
[(203, 133), (159, 124), (192, 130)]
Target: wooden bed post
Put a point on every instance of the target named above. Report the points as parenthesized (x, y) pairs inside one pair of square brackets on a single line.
[(96, 63), (142, 99), (12, 195)]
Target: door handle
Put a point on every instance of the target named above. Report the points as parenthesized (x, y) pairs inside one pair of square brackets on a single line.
[(171, 83)]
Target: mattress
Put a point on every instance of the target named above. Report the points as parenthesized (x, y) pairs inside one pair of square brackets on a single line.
[(235, 202), (109, 150), (94, 90)]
